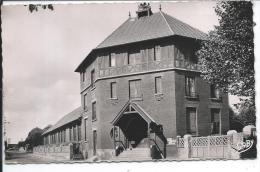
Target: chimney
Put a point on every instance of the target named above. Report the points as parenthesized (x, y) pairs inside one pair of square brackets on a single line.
[(144, 9)]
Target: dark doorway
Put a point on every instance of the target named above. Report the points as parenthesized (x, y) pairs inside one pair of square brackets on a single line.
[(134, 127)]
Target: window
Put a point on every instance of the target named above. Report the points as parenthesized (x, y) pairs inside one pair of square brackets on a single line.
[(56, 138), (93, 78), (59, 137), (214, 92), (190, 86), (135, 89), (74, 133), (64, 135), (191, 121), (94, 142), (215, 121), (134, 57), (94, 115), (79, 132), (113, 90), (158, 85), (112, 60), (83, 76), (85, 101), (85, 129), (157, 53), (70, 133)]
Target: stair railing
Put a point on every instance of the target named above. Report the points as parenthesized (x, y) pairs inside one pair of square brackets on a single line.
[(159, 139), (158, 148), (119, 141)]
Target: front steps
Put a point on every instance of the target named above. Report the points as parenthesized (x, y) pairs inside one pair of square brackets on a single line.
[(140, 153), (134, 154), (77, 157)]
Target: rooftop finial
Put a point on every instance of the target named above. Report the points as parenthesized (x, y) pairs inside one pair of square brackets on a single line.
[(160, 7), (144, 9)]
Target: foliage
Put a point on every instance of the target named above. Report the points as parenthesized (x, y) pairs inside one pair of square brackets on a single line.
[(34, 138), (247, 114), (33, 7), (235, 121), (227, 56)]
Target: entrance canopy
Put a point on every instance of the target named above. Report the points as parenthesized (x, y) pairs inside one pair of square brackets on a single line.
[(134, 122), (130, 110)]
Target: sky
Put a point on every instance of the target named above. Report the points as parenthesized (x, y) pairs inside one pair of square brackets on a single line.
[(42, 49)]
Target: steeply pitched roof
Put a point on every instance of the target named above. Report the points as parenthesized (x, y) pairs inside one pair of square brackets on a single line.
[(156, 26), (72, 116), (150, 27)]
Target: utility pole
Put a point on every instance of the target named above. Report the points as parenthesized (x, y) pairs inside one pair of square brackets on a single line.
[(5, 137)]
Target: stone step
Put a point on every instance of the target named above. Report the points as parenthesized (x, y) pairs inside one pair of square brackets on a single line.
[(77, 157), (135, 154)]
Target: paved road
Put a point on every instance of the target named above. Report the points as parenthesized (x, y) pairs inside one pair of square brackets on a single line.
[(13, 157)]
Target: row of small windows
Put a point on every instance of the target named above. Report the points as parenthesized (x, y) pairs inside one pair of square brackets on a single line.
[(60, 136), (133, 57), (135, 89)]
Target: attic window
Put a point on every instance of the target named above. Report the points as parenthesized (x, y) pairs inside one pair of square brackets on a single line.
[(83, 76), (112, 60), (157, 53)]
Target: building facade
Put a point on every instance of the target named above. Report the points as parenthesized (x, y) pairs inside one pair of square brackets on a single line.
[(142, 87)]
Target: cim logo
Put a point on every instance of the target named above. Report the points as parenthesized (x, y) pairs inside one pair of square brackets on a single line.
[(244, 146)]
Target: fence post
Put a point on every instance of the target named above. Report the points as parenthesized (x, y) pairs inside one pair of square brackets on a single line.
[(187, 145), (208, 142), (232, 138), (71, 150), (177, 140)]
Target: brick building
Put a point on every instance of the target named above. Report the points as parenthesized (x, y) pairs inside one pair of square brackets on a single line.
[(140, 87)]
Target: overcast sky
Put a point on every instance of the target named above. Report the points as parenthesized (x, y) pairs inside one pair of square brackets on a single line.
[(42, 49)]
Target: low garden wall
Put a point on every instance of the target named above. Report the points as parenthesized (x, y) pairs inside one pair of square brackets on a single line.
[(231, 146), (57, 152)]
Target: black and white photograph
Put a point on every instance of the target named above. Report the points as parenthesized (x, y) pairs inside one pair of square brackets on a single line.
[(122, 81)]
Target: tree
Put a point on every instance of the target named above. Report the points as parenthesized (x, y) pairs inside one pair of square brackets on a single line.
[(235, 122), (34, 138), (247, 115), (227, 56)]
